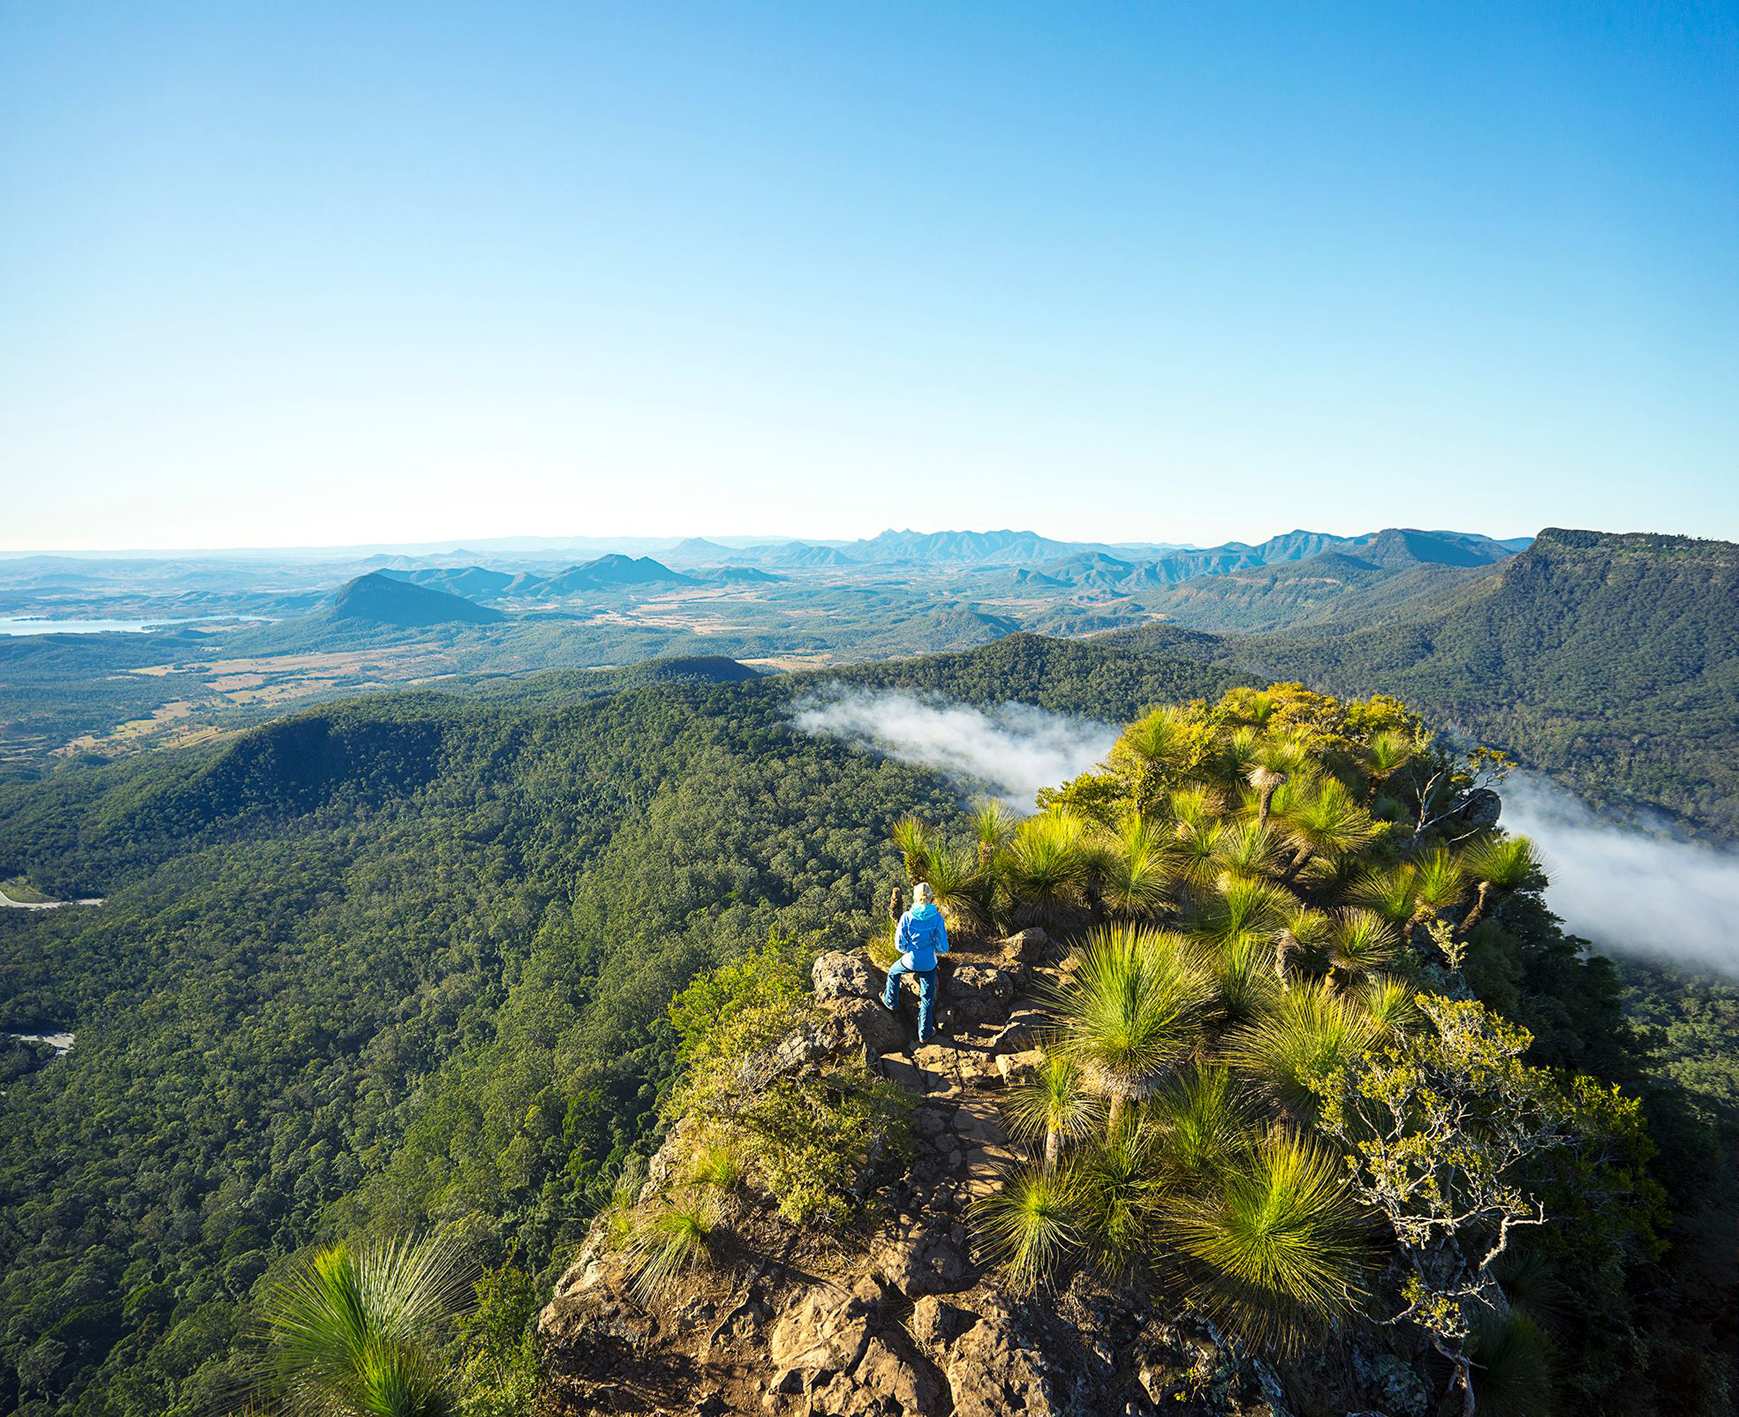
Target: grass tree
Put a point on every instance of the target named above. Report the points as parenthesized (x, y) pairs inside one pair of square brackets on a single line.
[(1388, 891), (1310, 1032), (1384, 756), (1049, 1105), (1266, 781), (1203, 1123), (1030, 1224), (957, 882), (912, 838), (1137, 868), (1048, 865), (1241, 904), (1277, 1247), (1327, 823), (1501, 865), (673, 1236), (1243, 978), (1439, 884), (1132, 1012), (991, 825), (352, 1331), (1248, 851), (1360, 943), (1119, 1189)]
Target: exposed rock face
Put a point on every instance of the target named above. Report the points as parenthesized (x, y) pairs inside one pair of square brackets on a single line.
[(900, 1317)]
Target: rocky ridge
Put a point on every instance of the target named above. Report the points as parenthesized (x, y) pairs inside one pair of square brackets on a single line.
[(901, 1315)]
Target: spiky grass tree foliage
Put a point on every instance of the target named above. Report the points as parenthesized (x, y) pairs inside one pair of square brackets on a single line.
[(1237, 906), (352, 1331), (1198, 854), (1384, 756), (1195, 809), (1137, 868), (991, 823), (1361, 942), (671, 1238), (1327, 824), (716, 1162), (1301, 943), (913, 840), (1203, 1122), (1311, 1033), (1248, 851), (1276, 1247), (1048, 865), (1501, 865), (1388, 891), (1513, 1356), (1242, 971), (1049, 1106), (1119, 1188), (957, 882), (1132, 1012), (1439, 884), (1238, 753), (1031, 1224), (1388, 1002)]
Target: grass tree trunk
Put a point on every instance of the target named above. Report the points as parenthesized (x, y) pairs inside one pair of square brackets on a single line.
[(1053, 1148), (1483, 902)]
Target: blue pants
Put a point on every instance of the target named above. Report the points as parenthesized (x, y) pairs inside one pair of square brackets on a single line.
[(926, 995)]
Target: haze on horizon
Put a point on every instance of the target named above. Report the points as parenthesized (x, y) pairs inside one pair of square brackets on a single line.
[(322, 276)]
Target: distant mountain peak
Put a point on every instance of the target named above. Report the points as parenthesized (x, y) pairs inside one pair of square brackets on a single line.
[(386, 600)]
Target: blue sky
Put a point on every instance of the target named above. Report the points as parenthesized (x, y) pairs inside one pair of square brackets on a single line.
[(311, 273)]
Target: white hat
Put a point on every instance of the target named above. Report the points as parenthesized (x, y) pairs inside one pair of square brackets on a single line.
[(921, 893)]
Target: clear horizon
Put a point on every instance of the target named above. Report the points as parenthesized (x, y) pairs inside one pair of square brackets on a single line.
[(326, 276), (436, 546)]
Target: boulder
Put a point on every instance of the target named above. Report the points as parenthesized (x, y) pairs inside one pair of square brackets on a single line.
[(995, 1370), (981, 993), (1480, 808), (859, 1025), (844, 974)]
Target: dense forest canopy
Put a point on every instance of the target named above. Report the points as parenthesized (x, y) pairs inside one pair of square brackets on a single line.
[(403, 962)]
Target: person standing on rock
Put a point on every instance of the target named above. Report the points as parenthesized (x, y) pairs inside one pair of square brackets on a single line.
[(920, 936)]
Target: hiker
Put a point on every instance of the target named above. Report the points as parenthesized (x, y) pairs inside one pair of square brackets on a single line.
[(920, 936)]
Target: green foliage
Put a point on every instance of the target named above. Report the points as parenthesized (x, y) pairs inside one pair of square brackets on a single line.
[(672, 1236), (1029, 1225), (350, 1332), (499, 1362), (1132, 1011), (806, 1137), (1050, 1105), (1311, 1031), (716, 1163), (525, 877), (1275, 1244)]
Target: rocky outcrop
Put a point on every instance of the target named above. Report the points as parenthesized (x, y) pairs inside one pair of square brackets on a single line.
[(901, 1315)]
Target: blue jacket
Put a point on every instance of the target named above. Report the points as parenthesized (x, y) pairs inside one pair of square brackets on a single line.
[(921, 936)]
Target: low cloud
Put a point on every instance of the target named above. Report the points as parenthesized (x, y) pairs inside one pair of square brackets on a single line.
[(1011, 750), (1631, 889)]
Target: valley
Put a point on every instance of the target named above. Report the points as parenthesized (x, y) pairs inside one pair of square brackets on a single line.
[(526, 834)]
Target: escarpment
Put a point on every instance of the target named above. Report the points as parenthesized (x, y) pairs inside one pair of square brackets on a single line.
[(892, 1308)]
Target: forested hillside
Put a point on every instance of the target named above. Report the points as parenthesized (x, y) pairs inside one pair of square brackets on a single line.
[(404, 961), (397, 960), (1612, 659)]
